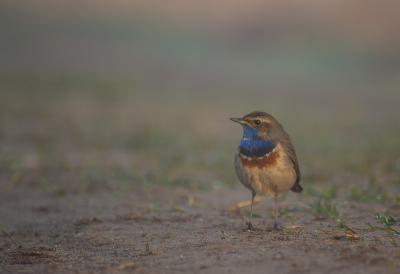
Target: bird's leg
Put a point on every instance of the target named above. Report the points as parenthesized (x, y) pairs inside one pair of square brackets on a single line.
[(250, 226), (276, 212)]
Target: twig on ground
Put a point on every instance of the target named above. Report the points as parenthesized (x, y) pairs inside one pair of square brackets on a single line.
[(9, 236)]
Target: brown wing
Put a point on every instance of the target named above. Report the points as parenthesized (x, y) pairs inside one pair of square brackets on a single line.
[(293, 158)]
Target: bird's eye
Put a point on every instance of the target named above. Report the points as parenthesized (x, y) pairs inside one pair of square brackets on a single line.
[(257, 122)]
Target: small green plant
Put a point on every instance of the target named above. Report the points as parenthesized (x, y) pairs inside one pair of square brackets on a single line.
[(395, 200), (284, 211), (330, 210), (155, 207), (387, 222), (46, 184), (254, 214), (301, 229), (329, 193), (390, 234), (374, 227), (292, 232), (289, 212), (371, 193)]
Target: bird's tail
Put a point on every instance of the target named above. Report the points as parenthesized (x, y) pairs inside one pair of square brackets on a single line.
[(297, 188)]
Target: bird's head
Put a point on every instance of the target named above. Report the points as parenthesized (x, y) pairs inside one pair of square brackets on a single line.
[(259, 126)]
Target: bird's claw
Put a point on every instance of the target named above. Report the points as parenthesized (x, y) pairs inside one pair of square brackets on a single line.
[(251, 228), (276, 227)]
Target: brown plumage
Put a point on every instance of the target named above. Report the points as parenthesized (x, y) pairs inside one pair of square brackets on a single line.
[(266, 162)]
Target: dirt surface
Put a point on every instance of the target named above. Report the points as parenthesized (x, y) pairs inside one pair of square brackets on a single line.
[(116, 148), (184, 231)]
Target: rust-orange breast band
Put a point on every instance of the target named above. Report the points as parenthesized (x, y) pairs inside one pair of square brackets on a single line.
[(267, 161)]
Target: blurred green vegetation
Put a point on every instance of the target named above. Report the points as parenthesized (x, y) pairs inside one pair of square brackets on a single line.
[(92, 104), (76, 133)]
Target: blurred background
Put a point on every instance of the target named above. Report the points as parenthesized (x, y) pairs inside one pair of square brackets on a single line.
[(122, 94)]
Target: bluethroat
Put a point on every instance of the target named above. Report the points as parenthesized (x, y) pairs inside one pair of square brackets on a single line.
[(266, 162)]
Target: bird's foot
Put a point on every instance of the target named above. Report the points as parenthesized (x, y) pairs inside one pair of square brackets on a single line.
[(276, 227), (251, 228)]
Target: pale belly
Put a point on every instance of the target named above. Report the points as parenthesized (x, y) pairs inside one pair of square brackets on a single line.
[(269, 180)]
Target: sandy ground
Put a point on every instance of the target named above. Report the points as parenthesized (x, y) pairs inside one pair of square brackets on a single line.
[(184, 231), (96, 116)]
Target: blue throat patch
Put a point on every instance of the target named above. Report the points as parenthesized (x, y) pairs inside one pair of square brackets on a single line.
[(250, 147)]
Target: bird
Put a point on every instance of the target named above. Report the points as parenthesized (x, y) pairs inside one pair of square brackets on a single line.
[(265, 161)]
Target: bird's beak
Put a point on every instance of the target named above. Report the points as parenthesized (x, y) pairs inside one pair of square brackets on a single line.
[(240, 121)]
